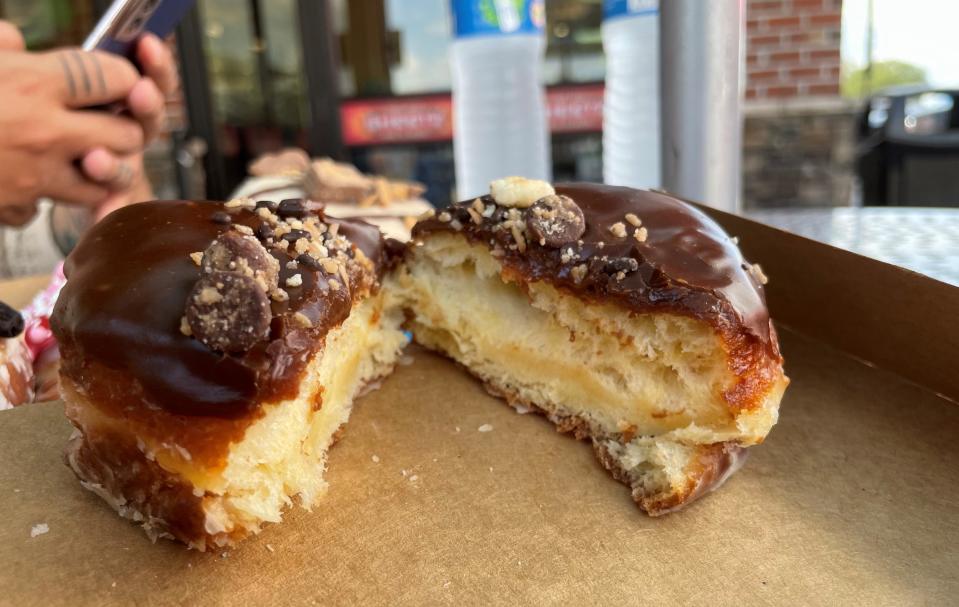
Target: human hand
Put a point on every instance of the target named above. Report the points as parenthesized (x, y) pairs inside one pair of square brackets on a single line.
[(146, 103), (44, 128)]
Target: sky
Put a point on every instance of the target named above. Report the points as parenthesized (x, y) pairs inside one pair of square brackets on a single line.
[(921, 32)]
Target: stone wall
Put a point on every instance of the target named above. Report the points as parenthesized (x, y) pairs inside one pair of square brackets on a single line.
[(799, 154)]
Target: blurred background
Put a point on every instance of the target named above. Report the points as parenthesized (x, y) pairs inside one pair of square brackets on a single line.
[(819, 129), (847, 103)]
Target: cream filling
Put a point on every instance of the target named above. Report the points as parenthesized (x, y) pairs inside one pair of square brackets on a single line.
[(649, 374)]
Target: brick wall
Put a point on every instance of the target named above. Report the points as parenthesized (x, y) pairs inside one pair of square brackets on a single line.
[(792, 48)]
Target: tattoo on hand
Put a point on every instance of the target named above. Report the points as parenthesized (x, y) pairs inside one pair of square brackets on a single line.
[(101, 81), (87, 87), (68, 74)]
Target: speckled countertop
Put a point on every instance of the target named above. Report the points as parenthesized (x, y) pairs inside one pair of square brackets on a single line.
[(925, 240)]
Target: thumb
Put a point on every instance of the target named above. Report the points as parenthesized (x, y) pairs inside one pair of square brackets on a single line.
[(10, 37)]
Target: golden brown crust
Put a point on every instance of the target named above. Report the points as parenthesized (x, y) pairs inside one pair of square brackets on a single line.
[(710, 468), (110, 464)]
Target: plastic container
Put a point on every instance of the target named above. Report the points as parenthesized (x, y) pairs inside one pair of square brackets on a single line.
[(631, 121), (499, 106)]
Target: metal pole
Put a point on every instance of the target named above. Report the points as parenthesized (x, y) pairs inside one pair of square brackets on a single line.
[(700, 93), (199, 103), (321, 67)]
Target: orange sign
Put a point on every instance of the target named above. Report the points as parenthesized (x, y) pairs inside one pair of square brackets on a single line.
[(571, 109)]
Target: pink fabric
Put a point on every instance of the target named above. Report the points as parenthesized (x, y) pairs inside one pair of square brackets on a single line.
[(36, 316)]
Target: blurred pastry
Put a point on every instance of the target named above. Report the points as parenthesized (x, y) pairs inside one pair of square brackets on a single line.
[(211, 354), (389, 204), (16, 364), (329, 181), (626, 317), (288, 161)]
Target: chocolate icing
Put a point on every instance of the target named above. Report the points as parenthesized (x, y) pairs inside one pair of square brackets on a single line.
[(128, 282), (687, 264)]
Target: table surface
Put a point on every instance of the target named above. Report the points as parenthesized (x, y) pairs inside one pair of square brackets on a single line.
[(925, 240)]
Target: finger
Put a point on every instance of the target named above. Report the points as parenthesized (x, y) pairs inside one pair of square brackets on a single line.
[(157, 63), (86, 130), (112, 203), (108, 170), (17, 215), (71, 187), (86, 79), (146, 104), (10, 37)]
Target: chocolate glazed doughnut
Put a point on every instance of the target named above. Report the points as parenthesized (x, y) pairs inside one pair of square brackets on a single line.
[(644, 330)]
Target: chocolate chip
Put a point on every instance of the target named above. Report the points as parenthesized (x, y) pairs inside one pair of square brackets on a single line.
[(235, 252), (308, 261), (11, 322), (221, 218), (266, 204), (228, 312), (294, 235), (264, 231), (554, 221), (291, 207), (621, 264)]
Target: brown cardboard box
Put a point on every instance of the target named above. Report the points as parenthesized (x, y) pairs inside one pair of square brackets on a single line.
[(853, 499)]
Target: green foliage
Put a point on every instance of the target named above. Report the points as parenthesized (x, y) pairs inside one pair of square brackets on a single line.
[(884, 74)]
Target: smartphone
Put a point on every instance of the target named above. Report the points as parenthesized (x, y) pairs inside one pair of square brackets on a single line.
[(126, 20)]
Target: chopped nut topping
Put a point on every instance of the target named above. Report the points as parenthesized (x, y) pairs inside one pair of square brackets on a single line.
[(279, 295), (578, 273), (242, 229), (640, 234), (185, 327), (478, 206), (208, 295), (634, 220), (295, 280), (238, 203), (618, 229), (757, 272), (302, 245), (475, 215), (519, 238), (329, 265), (456, 224), (735, 240), (292, 264), (197, 257), (427, 214), (519, 191), (334, 284), (302, 320), (409, 222), (444, 217), (488, 212)]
